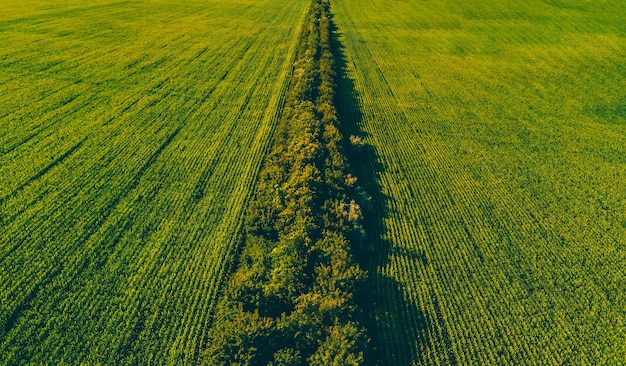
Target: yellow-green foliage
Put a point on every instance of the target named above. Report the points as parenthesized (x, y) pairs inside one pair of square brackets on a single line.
[(293, 299), (500, 128), (131, 134)]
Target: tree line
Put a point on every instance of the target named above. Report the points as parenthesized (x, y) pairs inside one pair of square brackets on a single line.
[(293, 298)]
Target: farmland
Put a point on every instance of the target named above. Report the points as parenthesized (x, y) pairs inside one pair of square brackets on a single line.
[(340, 182), (131, 135), (498, 163)]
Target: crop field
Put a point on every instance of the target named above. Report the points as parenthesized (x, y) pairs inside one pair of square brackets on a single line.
[(131, 135), (326, 182), (498, 163)]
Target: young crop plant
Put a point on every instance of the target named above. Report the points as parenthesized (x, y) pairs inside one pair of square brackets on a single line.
[(131, 137), (499, 137), (293, 298)]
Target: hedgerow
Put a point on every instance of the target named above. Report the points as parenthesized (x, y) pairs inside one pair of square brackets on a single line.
[(291, 300)]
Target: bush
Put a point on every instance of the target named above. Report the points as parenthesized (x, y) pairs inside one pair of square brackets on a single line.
[(291, 299), (356, 141)]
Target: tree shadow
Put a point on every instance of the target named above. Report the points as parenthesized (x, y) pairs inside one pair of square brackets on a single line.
[(389, 314)]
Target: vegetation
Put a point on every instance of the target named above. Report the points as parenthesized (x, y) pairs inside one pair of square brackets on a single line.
[(131, 135), (176, 186), (294, 297), (498, 133)]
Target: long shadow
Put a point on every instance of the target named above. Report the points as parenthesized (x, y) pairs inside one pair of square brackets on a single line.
[(388, 313)]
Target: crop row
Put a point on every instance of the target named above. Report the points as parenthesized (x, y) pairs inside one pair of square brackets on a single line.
[(123, 192), (499, 166)]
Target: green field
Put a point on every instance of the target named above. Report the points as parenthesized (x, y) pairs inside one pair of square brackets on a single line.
[(499, 136), (145, 157), (131, 133)]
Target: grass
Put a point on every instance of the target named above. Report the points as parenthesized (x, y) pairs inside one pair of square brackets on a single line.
[(131, 134), (499, 135)]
